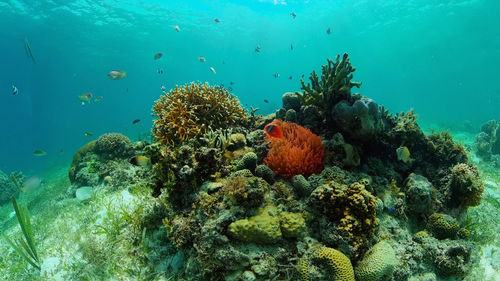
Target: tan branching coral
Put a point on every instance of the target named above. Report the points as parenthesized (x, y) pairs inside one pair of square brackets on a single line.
[(189, 111)]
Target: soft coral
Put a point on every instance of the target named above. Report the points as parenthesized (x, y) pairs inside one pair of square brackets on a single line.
[(300, 151)]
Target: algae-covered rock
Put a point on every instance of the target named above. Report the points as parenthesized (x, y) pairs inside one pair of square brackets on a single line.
[(301, 185), (291, 101), (418, 193), (465, 185), (261, 228), (292, 224), (378, 263)]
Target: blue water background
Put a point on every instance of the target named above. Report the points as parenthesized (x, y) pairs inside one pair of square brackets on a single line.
[(439, 57)]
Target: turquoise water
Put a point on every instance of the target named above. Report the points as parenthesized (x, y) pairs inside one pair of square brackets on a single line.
[(438, 57)]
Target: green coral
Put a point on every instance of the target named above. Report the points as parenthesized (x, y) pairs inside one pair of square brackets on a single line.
[(268, 227), (442, 226), (339, 265), (335, 83), (378, 263), (261, 228), (292, 224)]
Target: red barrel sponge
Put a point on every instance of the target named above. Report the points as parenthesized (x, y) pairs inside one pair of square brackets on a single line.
[(294, 150)]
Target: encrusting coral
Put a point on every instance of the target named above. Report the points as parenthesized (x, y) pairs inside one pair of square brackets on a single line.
[(298, 152), (442, 226), (189, 111)]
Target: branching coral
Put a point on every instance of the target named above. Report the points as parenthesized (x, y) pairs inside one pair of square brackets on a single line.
[(335, 84), (299, 152), (189, 111)]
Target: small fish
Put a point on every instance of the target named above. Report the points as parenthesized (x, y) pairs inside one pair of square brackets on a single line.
[(328, 31), (217, 20), (158, 55), (274, 131), (85, 97), (27, 47), (87, 134), (163, 88), (213, 70), (230, 88), (290, 77), (176, 27), (136, 121), (160, 71), (117, 74), (257, 49), (61, 151), (266, 101), (31, 184), (276, 75), (302, 76), (202, 59), (291, 47), (126, 90), (39, 152), (15, 91), (404, 154), (293, 15), (141, 161), (98, 99), (223, 62), (231, 83)]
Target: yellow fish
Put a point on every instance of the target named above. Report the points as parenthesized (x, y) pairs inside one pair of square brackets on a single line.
[(404, 154), (141, 161)]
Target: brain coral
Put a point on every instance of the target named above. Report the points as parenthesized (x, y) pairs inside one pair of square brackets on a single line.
[(338, 264), (378, 263), (189, 111), (299, 152)]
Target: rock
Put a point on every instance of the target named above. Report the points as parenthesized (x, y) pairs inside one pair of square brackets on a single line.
[(418, 193), (291, 101), (84, 193)]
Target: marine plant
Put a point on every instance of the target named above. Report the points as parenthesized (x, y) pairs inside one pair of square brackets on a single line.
[(191, 110), (299, 152), (25, 245)]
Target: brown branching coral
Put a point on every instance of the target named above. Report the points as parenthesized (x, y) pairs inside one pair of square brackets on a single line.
[(189, 111)]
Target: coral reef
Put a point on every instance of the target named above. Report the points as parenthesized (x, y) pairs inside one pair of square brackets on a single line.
[(189, 111), (378, 263), (299, 152), (107, 160), (308, 197)]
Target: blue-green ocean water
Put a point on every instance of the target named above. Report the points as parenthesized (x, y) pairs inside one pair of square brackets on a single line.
[(439, 57)]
